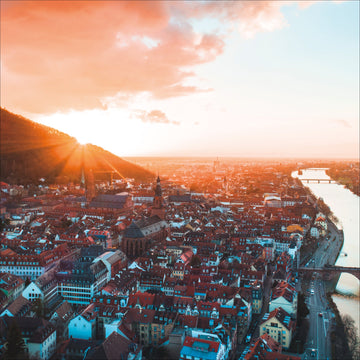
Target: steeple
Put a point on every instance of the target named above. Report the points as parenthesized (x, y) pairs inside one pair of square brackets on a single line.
[(158, 191), (158, 203), (90, 192)]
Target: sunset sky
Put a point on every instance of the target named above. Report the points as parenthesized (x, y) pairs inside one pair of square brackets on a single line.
[(182, 78)]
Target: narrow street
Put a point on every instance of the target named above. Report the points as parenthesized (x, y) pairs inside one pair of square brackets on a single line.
[(320, 314), (319, 317), (265, 307), (256, 318)]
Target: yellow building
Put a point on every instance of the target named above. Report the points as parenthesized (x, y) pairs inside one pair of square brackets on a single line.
[(257, 297), (295, 228), (153, 327), (162, 326), (279, 325), (179, 270)]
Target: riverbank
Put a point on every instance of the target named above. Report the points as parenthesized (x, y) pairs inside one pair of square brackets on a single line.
[(338, 338), (336, 241), (331, 248), (339, 342), (347, 176)]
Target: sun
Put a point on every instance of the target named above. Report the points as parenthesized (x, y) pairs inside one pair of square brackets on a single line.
[(82, 139), (82, 128), (103, 128)]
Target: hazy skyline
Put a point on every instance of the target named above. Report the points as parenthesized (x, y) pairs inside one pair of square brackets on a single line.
[(244, 78)]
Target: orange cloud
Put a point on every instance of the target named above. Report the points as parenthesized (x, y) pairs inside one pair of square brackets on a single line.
[(60, 55), (154, 116)]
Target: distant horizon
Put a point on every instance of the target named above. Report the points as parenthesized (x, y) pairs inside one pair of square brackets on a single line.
[(237, 157), (211, 157)]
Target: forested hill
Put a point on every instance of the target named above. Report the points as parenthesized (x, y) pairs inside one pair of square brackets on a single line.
[(30, 151)]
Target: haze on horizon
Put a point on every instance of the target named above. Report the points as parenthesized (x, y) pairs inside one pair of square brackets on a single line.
[(164, 78)]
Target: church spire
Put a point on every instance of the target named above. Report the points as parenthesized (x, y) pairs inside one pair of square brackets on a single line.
[(90, 191), (158, 203), (158, 191)]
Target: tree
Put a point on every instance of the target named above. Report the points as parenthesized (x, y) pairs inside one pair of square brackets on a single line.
[(300, 337), (4, 223), (39, 308), (65, 223), (195, 261), (351, 336), (15, 349), (303, 310)]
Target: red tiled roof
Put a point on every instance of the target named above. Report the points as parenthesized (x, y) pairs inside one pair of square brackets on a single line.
[(144, 299), (188, 320), (285, 290), (191, 342)]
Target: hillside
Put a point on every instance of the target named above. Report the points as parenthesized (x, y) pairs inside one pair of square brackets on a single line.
[(30, 151)]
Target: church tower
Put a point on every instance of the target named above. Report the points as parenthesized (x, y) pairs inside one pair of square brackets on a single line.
[(90, 192), (158, 203), (225, 185)]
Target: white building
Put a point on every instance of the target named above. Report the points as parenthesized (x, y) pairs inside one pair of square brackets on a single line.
[(42, 346), (86, 280), (33, 292), (282, 245), (24, 269), (45, 287), (285, 296), (83, 326), (39, 336), (315, 232)]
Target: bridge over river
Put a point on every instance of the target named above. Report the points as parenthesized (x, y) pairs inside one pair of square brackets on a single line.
[(319, 181), (330, 271)]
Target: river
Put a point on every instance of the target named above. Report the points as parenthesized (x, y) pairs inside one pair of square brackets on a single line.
[(345, 206)]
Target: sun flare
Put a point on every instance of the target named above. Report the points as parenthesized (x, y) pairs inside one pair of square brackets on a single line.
[(82, 140), (83, 128)]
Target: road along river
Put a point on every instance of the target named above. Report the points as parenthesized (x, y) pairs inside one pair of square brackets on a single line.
[(345, 206)]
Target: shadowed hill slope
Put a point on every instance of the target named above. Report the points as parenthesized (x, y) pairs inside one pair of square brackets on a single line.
[(30, 151)]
